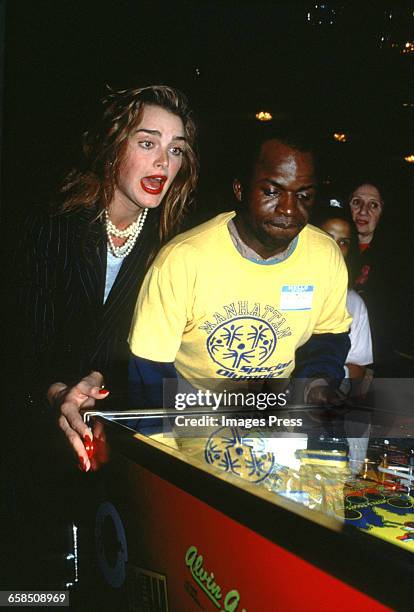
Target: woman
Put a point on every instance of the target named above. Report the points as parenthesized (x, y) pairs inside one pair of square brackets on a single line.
[(366, 204), (83, 264), (338, 224), (381, 280)]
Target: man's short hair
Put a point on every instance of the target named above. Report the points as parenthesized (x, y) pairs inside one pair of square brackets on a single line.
[(251, 141)]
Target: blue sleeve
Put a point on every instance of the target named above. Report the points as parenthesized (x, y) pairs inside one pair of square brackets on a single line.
[(146, 381), (323, 356)]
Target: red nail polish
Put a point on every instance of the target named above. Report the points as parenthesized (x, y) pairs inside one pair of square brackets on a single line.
[(82, 464), (89, 446), (90, 450), (103, 391)]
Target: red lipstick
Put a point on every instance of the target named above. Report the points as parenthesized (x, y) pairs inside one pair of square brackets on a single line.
[(153, 184)]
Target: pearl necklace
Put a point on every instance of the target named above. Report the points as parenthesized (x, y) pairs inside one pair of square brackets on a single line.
[(131, 234)]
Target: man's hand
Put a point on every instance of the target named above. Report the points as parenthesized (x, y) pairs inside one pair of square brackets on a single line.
[(324, 395), (69, 401)]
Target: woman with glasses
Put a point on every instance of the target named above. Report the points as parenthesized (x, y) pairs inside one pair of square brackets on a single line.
[(366, 204), (379, 277)]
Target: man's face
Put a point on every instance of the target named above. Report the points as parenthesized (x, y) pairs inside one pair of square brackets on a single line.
[(278, 199)]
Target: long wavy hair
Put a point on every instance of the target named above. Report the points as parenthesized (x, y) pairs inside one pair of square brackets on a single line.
[(104, 148)]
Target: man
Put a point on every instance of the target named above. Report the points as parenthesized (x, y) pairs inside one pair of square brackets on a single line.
[(233, 298)]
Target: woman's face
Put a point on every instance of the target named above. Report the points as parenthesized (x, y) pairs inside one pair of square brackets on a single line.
[(340, 231), (152, 159), (366, 208)]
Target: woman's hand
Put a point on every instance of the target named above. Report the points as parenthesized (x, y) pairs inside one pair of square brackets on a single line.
[(69, 401)]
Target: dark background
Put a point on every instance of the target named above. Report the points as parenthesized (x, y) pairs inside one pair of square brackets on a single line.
[(339, 66), (336, 65)]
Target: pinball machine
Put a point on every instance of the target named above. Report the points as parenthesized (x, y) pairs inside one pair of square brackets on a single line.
[(223, 516)]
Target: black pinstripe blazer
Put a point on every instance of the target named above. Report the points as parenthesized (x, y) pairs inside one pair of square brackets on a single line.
[(63, 330)]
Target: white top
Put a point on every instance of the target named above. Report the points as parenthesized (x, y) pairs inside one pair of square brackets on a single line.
[(113, 265), (360, 352)]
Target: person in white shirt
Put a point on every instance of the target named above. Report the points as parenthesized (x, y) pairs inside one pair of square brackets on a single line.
[(336, 222)]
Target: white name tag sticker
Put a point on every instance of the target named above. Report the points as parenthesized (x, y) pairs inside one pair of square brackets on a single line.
[(296, 297)]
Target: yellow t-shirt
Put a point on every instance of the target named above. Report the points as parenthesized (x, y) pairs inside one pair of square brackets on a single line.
[(216, 314)]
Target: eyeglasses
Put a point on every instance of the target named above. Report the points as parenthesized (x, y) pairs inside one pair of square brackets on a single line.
[(358, 204)]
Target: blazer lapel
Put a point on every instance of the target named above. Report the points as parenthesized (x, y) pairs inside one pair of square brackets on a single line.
[(91, 260)]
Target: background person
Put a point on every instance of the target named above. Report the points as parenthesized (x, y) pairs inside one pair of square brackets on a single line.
[(338, 224), (366, 204), (383, 275)]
